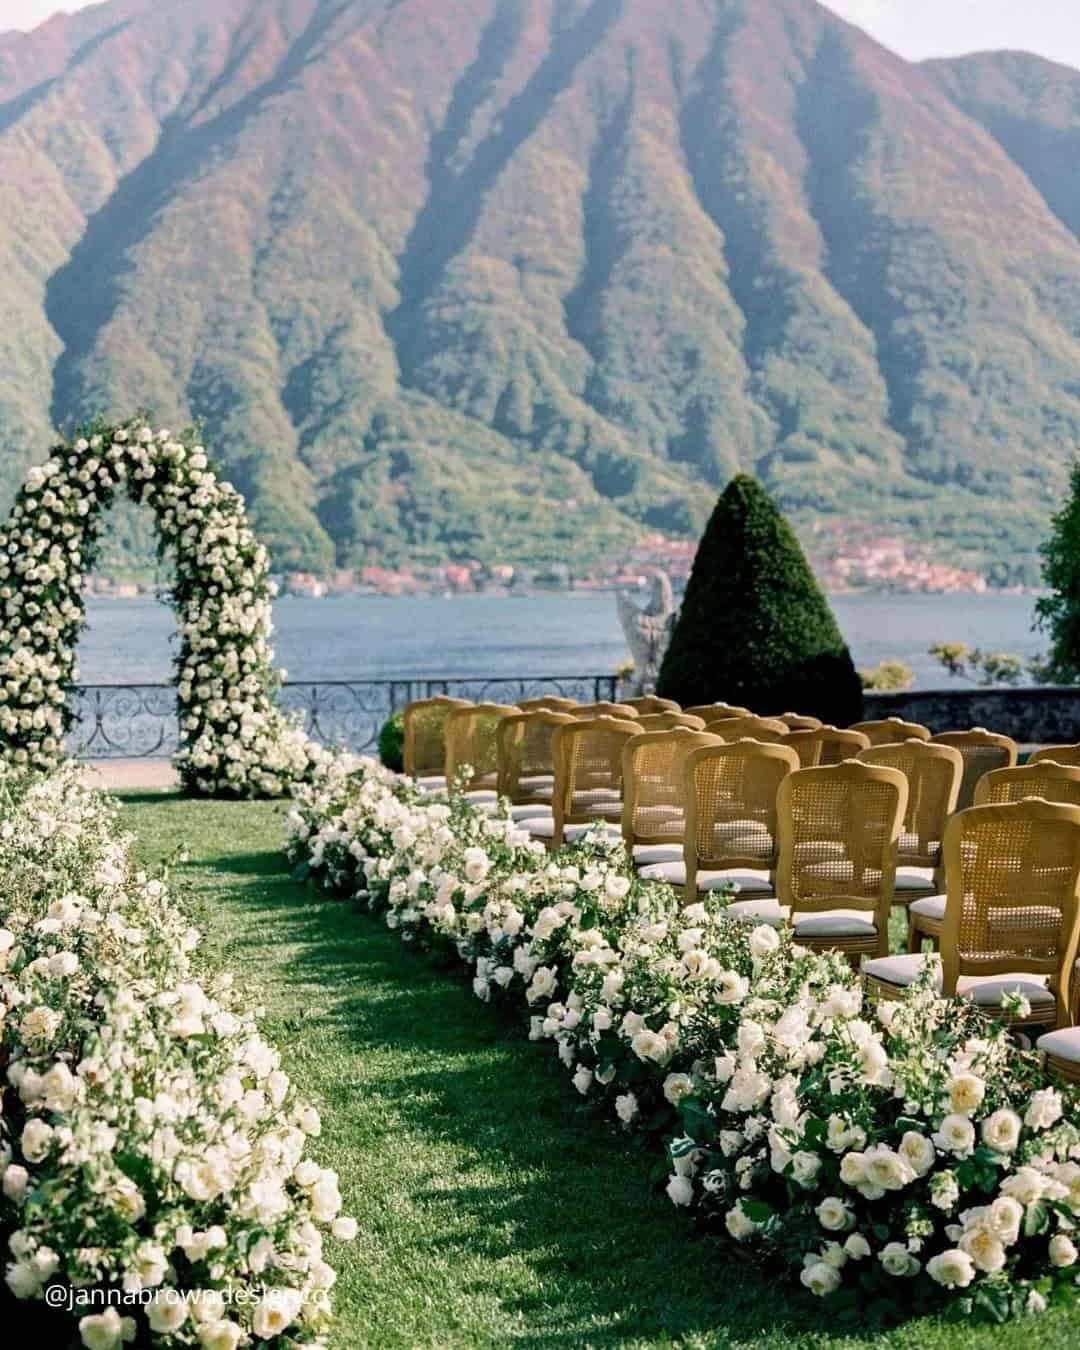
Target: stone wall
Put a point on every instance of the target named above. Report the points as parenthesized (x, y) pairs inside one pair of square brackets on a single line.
[(1030, 716)]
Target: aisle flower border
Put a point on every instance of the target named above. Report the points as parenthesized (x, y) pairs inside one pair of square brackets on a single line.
[(234, 739), (900, 1158), (143, 1105)]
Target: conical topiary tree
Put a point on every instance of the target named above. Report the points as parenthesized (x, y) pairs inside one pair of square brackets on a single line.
[(755, 628)]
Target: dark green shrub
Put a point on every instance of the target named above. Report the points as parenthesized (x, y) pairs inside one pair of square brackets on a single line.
[(1058, 613), (392, 743), (755, 628)]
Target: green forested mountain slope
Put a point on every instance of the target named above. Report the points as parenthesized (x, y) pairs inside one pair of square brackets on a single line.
[(516, 279)]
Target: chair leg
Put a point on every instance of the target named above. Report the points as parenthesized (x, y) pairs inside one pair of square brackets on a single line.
[(914, 937)]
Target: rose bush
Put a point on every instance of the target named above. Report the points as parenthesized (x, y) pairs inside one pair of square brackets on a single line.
[(234, 739), (152, 1144), (909, 1155)]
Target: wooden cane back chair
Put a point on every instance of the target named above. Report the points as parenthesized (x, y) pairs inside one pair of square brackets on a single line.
[(471, 742), (1053, 782), (651, 703), (1060, 754), (769, 730), (588, 773), (526, 766), (888, 730), (424, 726), (1012, 876), (668, 721), (826, 745), (800, 721), (1044, 778), (654, 814), (982, 752), (933, 774), (617, 710), (729, 790), (551, 702), (717, 712), (839, 828)]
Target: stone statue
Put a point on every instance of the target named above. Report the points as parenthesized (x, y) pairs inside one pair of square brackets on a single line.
[(647, 630)]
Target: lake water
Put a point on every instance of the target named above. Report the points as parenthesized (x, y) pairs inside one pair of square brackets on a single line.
[(355, 637)]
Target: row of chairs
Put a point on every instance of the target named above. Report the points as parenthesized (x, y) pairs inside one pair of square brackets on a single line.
[(827, 847)]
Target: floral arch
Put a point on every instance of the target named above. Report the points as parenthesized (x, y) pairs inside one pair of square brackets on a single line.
[(234, 740)]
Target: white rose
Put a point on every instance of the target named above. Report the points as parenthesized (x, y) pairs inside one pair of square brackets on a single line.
[(918, 1152), (16, 1180), (677, 1086), (276, 1311), (1043, 1110), (833, 1214), (1001, 1131), (626, 1107), (1062, 1250), (36, 1140), (953, 1268), (956, 1134), (344, 1228), (805, 1167), (167, 1311), (106, 1331), (897, 1260), (857, 1247), (582, 1080), (680, 1190), (821, 1278), (966, 1092), (739, 1225), (985, 1248), (763, 941)]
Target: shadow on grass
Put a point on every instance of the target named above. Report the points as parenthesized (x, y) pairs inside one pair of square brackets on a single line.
[(613, 1260)]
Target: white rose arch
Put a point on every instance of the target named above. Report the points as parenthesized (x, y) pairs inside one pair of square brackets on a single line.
[(234, 741)]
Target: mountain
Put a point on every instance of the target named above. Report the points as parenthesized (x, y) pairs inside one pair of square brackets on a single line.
[(519, 279)]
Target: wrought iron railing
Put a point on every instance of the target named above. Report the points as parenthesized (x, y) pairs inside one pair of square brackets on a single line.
[(139, 721)]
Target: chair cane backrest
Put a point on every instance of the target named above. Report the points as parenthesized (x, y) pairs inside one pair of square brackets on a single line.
[(981, 751), (552, 702), (526, 764), (730, 793), (650, 703), (617, 710), (1060, 754), (424, 727), (800, 721), (766, 729), (1053, 782), (889, 730), (933, 774), (1012, 876), (826, 745), (717, 712), (652, 784), (471, 740), (668, 721), (588, 771), (839, 829)]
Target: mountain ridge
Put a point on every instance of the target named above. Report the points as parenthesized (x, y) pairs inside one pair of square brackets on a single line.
[(521, 281)]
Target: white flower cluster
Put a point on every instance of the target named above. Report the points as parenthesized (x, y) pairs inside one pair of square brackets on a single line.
[(234, 740), (153, 1145), (880, 1151)]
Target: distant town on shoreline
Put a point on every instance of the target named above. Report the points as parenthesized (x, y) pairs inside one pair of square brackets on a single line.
[(856, 561)]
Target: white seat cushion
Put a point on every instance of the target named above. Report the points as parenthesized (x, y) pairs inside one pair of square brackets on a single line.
[(527, 812), (1062, 1044), (932, 907), (986, 990), (533, 781), (915, 879), (544, 828), (481, 795), (435, 781), (674, 873), (646, 854), (838, 923)]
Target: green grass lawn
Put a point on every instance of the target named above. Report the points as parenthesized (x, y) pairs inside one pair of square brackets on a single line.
[(493, 1209)]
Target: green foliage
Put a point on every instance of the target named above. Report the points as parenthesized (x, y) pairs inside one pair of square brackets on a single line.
[(984, 668), (1058, 614), (755, 628), (887, 675), (392, 743)]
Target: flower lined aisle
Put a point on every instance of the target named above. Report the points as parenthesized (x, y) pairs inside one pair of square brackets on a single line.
[(156, 1177), (897, 1158)]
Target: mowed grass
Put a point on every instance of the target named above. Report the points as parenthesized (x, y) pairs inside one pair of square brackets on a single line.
[(493, 1209)]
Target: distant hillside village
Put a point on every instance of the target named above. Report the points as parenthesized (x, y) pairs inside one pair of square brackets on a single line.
[(844, 562)]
